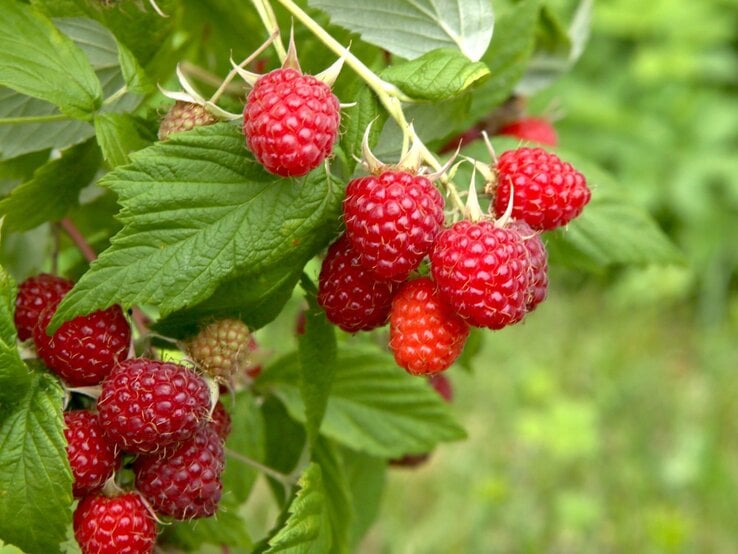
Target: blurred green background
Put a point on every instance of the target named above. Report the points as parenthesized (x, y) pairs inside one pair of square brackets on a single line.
[(608, 421)]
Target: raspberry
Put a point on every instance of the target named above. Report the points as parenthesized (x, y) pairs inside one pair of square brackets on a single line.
[(481, 271), (442, 386), (83, 351), (33, 295), (222, 348), (290, 122), (146, 405), (184, 116), (534, 129), (537, 264), (548, 192), (185, 483), (426, 335), (352, 298), (221, 421), (122, 524), (92, 459), (391, 221)]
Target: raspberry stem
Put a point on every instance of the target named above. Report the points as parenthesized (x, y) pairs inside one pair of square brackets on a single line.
[(286, 480), (266, 13)]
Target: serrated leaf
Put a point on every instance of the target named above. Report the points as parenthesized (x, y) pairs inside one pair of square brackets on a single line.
[(374, 406), (14, 375), (410, 28), (41, 62), (225, 529), (119, 134), (60, 179), (338, 496), (365, 476), (134, 75), (197, 211), (246, 438), (317, 351), (437, 75), (308, 529), (356, 119), (507, 57), (35, 479)]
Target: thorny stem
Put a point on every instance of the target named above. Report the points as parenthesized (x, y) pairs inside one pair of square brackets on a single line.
[(389, 95), (286, 480), (139, 318), (270, 22)]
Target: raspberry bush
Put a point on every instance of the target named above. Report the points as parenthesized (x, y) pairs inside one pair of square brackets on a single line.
[(169, 212)]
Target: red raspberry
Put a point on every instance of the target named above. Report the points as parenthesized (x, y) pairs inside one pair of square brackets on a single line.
[(146, 405), (184, 116), (185, 483), (549, 193), (33, 295), (426, 335), (83, 351), (534, 129), (92, 459), (122, 524), (352, 298), (481, 271), (442, 385), (391, 221), (290, 122), (221, 421), (537, 264)]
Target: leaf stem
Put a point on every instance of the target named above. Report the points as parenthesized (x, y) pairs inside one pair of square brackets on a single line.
[(266, 13), (33, 119), (388, 94), (286, 480)]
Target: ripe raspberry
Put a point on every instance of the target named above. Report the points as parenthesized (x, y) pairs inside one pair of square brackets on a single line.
[(481, 271), (548, 192), (146, 405), (426, 335), (185, 483), (33, 295), (534, 129), (184, 116), (83, 351), (442, 386), (537, 264), (221, 421), (91, 457), (122, 524), (352, 298), (222, 348), (391, 221), (290, 122)]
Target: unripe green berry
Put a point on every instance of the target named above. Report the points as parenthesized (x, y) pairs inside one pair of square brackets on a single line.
[(221, 349)]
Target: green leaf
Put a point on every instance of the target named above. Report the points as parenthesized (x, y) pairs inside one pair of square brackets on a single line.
[(365, 476), (197, 211), (338, 496), (308, 529), (317, 349), (356, 119), (410, 28), (41, 62), (284, 443), (611, 229), (247, 438), (119, 134), (60, 180), (134, 75), (226, 529), (472, 347), (507, 57), (14, 375), (35, 479), (437, 75), (374, 406)]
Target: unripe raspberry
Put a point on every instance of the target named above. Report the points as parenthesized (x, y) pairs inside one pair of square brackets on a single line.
[(352, 298), (391, 220), (222, 349), (91, 457), (537, 264), (147, 405), (118, 525), (548, 193), (34, 294), (290, 122), (426, 335), (85, 350), (184, 116), (533, 129), (185, 483), (482, 272)]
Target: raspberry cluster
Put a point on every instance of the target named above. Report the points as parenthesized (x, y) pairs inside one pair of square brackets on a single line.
[(483, 273)]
